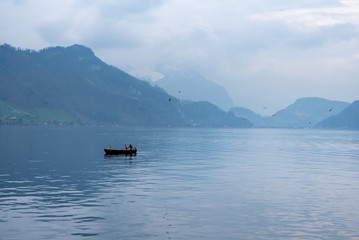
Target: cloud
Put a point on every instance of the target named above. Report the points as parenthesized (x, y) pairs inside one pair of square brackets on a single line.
[(309, 19)]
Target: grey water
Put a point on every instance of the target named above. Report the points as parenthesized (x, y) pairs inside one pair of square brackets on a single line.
[(56, 183)]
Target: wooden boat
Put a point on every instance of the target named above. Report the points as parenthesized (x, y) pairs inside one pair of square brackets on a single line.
[(111, 151)]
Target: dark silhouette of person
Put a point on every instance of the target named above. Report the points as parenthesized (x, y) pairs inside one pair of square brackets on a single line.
[(130, 147)]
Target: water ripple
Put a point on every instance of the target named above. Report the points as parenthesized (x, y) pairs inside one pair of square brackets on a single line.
[(183, 184)]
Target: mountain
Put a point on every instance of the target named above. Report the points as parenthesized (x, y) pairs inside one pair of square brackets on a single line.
[(187, 84), (255, 118), (347, 119), (306, 112), (70, 85), (303, 113)]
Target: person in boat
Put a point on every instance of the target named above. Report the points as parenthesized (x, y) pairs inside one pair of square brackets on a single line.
[(126, 146), (130, 147)]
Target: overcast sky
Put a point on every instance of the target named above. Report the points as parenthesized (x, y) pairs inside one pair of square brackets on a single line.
[(264, 52)]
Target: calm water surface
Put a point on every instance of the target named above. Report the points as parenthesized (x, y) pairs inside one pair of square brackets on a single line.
[(56, 183)]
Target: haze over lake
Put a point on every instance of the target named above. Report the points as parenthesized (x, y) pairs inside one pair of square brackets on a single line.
[(56, 183)]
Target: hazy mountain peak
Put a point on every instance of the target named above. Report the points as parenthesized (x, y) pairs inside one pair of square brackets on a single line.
[(316, 106), (347, 119), (75, 52), (81, 51), (187, 84), (147, 74), (7, 46)]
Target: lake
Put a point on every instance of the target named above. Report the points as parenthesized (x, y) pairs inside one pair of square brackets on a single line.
[(56, 183)]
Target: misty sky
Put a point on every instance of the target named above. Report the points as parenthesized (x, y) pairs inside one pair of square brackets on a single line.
[(264, 52)]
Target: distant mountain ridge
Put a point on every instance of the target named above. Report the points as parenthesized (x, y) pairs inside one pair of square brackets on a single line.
[(347, 119), (189, 85), (307, 112), (71, 85), (185, 84), (258, 120), (303, 113)]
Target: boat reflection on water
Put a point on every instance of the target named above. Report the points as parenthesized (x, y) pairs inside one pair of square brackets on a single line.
[(126, 157)]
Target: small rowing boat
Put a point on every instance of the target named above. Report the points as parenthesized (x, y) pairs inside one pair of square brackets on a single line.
[(111, 151)]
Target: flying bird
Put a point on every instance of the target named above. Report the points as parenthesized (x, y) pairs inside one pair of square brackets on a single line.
[(179, 91), (169, 99), (330, 109)]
